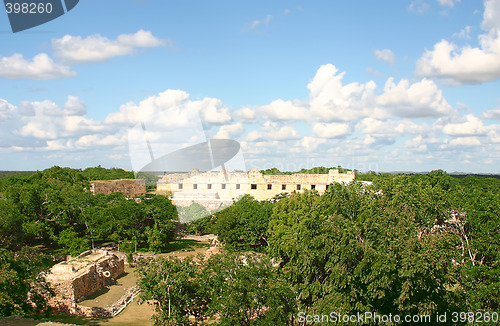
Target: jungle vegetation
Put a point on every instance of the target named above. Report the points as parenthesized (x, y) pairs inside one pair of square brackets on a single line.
[(406, 245)]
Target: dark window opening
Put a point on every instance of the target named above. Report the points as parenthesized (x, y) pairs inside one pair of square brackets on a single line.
[(283, 187), (269, 186), (180, 185), (237, 186), (298, 187), (195, 186), (253, 186), (209, 186), (313, 187), (223, 186)]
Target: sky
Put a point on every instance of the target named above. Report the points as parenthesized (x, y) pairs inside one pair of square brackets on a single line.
[(369, 85)]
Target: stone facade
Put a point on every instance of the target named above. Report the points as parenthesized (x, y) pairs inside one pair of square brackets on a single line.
[(221, 187), (74, 280), (129, 187)]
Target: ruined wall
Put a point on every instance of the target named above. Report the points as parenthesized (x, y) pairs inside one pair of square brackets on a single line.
[(78, 278), (129, 187), (224, 185), (96, 278)]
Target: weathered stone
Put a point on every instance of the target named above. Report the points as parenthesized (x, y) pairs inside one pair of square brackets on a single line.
[(74, 280), (129, 187), (214, 189)]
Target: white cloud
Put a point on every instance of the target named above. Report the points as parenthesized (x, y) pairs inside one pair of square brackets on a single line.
[(41, 67), (213, 111), (97, 48), (312, 143), (230, 131), (492, 114), (246, 115), (46, 120), (472, 126), (417, 100), (465, 142), (464, 33), (467, 65), (385, 55), (271, 132), (331, 130), (330, 100), (284, 110)]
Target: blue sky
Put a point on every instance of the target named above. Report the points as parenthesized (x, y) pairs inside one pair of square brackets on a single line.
[(393, 85)]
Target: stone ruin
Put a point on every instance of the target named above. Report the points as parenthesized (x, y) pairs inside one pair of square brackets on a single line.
[(128, 187), (74, 280)]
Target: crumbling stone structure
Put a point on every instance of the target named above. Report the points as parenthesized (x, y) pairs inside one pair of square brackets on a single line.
[(217, 188), (129, 187), (74, 280)]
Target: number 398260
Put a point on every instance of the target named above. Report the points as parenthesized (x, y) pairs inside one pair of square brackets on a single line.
[(28, 8)]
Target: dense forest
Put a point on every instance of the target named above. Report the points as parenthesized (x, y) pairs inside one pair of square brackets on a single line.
[(51, 213), (405, 245)]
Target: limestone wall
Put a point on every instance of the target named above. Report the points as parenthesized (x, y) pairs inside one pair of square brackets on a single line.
[(129, 187), (78, 278), (226, 185)]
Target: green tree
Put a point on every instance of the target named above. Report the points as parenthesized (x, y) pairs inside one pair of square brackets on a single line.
[(243, 225), (234, 289)]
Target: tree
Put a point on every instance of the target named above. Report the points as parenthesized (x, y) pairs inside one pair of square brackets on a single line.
[(234, 289), (243, 225), (21, 290)]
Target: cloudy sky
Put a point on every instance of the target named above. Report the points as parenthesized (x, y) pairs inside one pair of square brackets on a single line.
[(369, 85)]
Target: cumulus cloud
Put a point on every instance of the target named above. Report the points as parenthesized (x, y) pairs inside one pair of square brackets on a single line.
[(331, 130), (492, 114), (213, 111), (373, 125), (231, 131), (464, 142), (273, 131), (385, 55), (464, 33), (417, 100), (46, 120), (471, 126), (330, 100), (41, 67), (284, 110), (97, 48), (246, 115), (467, 65)]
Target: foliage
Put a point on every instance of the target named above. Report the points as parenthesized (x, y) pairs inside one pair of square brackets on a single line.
[(54, 208), (20, 287), (150, 178), (315, 170), (243, 225), (202, 226), (100, 173), (240, 289), (192, 212)]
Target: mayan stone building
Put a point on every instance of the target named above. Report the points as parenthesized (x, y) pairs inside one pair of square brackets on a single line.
[(215, 188), (129, 187), (82, 276)]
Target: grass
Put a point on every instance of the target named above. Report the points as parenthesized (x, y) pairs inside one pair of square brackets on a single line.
[(185, 245)]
